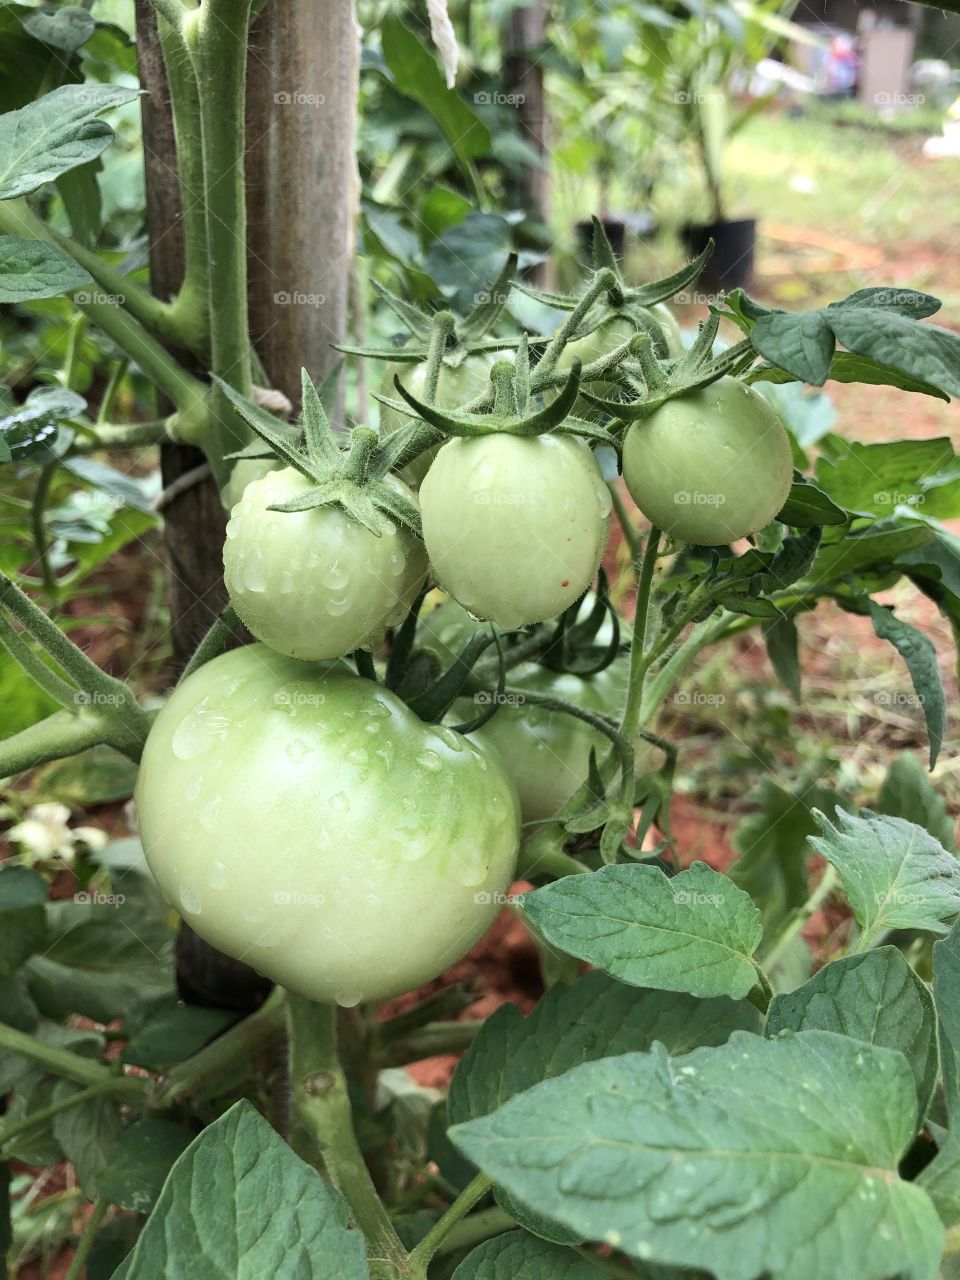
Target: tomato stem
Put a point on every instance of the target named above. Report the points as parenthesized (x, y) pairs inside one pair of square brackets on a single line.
[(639, 660), (464, 1202), (323, 1126)]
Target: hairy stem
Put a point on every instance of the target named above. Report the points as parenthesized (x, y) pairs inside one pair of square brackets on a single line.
[(431, 1242), (85, 1243), (639, 662), (71, 1066)]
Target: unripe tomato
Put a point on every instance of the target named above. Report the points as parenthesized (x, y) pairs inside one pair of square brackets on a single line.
[(317, 584), (711, 466), (245, 470), (617, 330), (456, 386), (515, 527), (305, 821)]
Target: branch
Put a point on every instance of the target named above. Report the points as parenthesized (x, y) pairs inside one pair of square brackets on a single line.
[(431, 1242), (70, 1066), (59, 735)]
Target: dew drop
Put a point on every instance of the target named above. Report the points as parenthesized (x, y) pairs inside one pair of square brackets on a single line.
[(376, 708), (334, 577), (189, 900), (286, 582), (254, 578), (348, 999), (397, 563), (253, 915), (339, 804), (604, 501), (389, 528), (471, 867), (450, 739), (217, 874), (232, 526), (358, 756), (429, 760), (336, 608), (199, 730)]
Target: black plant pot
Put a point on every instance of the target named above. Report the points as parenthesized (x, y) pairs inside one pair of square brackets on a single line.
[(731, 266)]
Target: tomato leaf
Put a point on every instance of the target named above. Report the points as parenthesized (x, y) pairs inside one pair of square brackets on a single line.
[(941, 1178), (695, 932), (239, 1194), (807, 506), (920, 655), (723, 1159), (873, 479), (31, 269), (895, 874), (58, 132), (594, 1017), (66, 28), (907, 792), (521, 1256), (876, 998), (780, 637), (23, 929), (139, 1164)]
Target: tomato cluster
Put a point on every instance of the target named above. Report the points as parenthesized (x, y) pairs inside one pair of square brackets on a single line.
[(300, 815)]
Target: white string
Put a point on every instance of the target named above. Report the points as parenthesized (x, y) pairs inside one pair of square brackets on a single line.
[(444, 37)]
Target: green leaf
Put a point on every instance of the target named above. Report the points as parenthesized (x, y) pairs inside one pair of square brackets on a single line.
[(594, 1017), (920, 655), (799, 342), (67, 27), (468, 257), (23, 926), (772, 846), (175, 1032), (58, 132), (780, 637), (695, 932), (758, 1157), (31, 269), (907, 792), (807, 506), (875, 548), (941, 1178), (876, 998), (416, 74), (904, 302), (80, 192), (872, 479), (103, 959), (895, 875), (88, 1134), (519, 1256), (922, 351), (240, 1203), (847, 367), (140, 1162)]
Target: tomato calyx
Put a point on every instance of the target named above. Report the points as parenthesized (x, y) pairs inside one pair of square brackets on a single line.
[(353, 479)]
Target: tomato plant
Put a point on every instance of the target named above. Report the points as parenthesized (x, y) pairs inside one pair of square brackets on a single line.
[(345, 783)]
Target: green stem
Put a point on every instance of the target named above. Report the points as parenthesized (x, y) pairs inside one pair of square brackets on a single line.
[(85, 1243), (479, 1226), (126, 435), (218, 39), (222, 632), (78, 329), (630, 535), (59, 735), (542, 853), (109, 401), (38, 671), (431, 1242), (71, 1066), (795, 922), (630, 721), (256, 1032), (762, 993), (38, 508), (323, 1125)]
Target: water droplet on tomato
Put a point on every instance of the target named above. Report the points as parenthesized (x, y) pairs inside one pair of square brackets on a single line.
[(199, 730), (470, 867), (286, 582), (450, 738), (397, 563), (217, 874), (358, 756), (253, 914), (429, 760), (297, 750), (189, 900), (336, 608), (334, 576), (348, 999), (254, 577)]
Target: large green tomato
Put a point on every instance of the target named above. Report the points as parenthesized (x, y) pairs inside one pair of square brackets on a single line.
[(245, 471), (305, 821), (711, 466), (317, 584), (515, 527), (456, 386)]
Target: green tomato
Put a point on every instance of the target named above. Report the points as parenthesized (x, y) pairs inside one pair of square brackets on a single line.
[(457, 386), (305, 821), (617, 330), (711, 466), (515, 527), (316, 584), (245, 470)]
